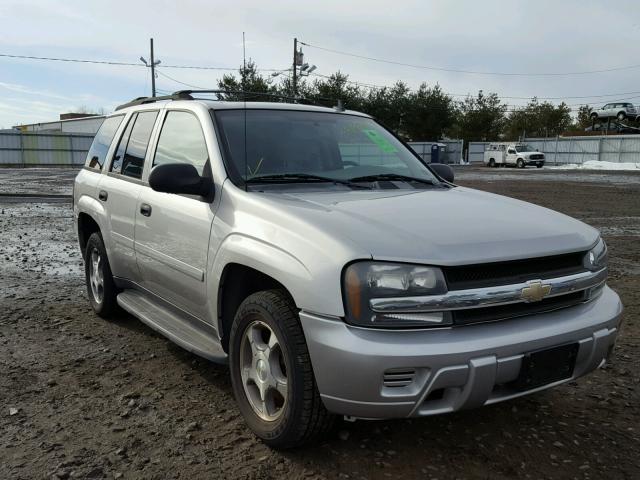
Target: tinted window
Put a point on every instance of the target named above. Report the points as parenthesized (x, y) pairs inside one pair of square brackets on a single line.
[(102, 141), (327, 144), (116, 164), (134, 144), (181, 141)]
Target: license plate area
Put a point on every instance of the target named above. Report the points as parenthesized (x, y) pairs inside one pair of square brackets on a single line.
[(547, 366)]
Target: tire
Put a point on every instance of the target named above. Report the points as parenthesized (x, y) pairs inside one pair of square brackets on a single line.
[(594, 116), (101, 289), (621, 116), (492, 163), (293, 414), (520, 163)]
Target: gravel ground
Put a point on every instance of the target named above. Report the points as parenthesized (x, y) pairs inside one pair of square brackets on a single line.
[(84, 398)]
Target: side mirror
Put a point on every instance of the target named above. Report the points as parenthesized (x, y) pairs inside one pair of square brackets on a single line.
[(443, 170), (180, 178)]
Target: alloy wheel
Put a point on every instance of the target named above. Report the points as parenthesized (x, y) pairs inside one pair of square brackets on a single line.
[(263, 371), (96, 275)]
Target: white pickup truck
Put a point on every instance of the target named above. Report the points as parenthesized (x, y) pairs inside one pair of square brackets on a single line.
[(512, 154)]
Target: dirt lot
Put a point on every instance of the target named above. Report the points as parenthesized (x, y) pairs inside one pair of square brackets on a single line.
[(85, 398)]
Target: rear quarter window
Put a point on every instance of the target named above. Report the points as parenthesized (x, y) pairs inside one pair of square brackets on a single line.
[(102, 141)]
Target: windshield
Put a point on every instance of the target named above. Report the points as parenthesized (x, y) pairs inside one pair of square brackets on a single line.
[(525, 148), (295, 145)]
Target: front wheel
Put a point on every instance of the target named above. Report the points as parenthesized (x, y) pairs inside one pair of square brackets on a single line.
[(271, 372), (622, 116), (520, 163)]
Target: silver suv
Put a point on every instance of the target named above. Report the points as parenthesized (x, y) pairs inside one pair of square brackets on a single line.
[(332, 269), (620, 110)]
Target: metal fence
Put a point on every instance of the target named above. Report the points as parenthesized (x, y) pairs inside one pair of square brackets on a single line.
[(453, 154), (19, 149), (562, 150), (67, 149)]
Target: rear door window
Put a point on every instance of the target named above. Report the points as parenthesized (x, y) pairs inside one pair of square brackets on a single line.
[(102, 142), (129, 158), (181, 141)]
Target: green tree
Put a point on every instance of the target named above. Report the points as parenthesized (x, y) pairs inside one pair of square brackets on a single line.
[(583, 119), (327, 91), (480, 118), (249, 80), (539, 120), (430, 113)]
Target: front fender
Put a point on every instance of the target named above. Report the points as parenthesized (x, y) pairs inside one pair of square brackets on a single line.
[(267, 259)]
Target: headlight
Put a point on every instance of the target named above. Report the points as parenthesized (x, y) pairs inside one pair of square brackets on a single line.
[(598, 257), (364, 281)]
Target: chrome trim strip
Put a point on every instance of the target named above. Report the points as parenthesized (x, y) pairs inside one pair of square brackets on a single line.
[(488, 296)]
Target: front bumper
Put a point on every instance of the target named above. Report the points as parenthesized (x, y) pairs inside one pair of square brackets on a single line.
[(454, 368)]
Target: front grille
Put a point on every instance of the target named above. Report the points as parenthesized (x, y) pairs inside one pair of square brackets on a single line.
[(396, 378), (536, 157), (516, 271), (502, 312)]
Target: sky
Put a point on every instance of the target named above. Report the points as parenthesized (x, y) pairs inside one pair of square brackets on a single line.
[(489, 36)]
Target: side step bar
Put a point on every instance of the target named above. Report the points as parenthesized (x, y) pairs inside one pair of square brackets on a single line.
[(190, 333)]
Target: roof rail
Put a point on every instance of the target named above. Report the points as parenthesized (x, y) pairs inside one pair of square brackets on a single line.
[(143, 100), (188, 95)]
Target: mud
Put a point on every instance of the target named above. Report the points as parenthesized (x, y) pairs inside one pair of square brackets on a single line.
[(81, 397)]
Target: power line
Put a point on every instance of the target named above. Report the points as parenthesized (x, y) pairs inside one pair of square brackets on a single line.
[(368, 85), (506, 97), (178, 81), (126, 64), (474, 72), (75, 60)]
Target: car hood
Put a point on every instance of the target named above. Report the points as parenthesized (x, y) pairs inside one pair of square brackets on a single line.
[(438, 226)]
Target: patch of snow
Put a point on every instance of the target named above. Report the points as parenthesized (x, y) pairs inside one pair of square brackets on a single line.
[(598, 165)]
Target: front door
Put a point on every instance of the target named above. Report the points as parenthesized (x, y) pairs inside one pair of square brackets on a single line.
[(172, 231), (512, 155)]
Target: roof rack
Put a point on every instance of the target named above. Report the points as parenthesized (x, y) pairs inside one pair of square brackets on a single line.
[(143, 100), (188, 95)]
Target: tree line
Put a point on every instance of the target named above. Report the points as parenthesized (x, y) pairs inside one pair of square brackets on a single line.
[(425, 113)]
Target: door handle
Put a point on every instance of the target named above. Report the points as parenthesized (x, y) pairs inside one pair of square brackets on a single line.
[(102, 195), (145, 209)]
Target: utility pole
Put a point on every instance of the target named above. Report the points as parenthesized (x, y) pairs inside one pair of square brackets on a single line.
[(152, 65), (153, 72), (295, 64)]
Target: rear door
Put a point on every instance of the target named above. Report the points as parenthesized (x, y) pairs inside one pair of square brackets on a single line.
[(172, 231), (119, 189)]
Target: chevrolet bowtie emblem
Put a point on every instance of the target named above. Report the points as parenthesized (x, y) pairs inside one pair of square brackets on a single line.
[(535, 292)]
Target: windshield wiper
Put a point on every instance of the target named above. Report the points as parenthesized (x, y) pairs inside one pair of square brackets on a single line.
[(392, 176), (300, 177)]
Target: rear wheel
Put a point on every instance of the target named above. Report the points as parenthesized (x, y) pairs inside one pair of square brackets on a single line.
[(271, 372), (520, 163), (594, 116), (492, 163), (622, 115), (100, 286)]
